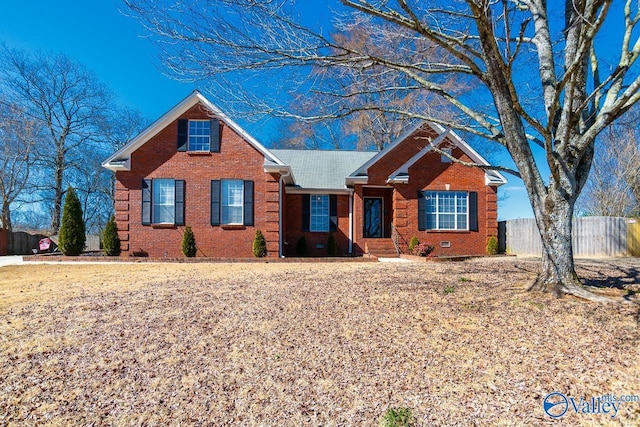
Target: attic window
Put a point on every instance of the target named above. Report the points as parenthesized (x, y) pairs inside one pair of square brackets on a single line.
[(443, 158), (199, 135)]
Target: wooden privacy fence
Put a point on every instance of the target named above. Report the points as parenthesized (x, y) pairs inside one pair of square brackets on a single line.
[(633, 237), (592, 236), (23, 243)]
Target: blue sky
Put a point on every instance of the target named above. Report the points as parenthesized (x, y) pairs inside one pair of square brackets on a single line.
[(111, 45)]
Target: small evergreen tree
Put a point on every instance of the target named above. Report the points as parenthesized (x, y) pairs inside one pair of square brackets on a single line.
[(332, 246), (188, 243), (301, 247), (259, 245), (72, 239), (492, 246), (110, 238), (412, 244)]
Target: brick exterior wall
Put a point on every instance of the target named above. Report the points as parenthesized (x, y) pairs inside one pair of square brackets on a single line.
[(159, 158), (237, 159), (293, 228), (430, 173)]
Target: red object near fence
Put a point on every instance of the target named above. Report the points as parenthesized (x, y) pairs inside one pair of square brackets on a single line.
[(44, 244)]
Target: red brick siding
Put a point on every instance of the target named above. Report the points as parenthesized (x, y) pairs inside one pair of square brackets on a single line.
[(293, 228), (379, 172), (159, 158), (429, 173)]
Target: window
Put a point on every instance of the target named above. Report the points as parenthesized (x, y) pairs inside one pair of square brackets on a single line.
[(443, 158), (199, 135), (447, 210), (320, 212), (319, 220), (164, 197), (232, 201), (163, 201)]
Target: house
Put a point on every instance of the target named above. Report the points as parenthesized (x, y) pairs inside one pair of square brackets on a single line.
[(195, 166)]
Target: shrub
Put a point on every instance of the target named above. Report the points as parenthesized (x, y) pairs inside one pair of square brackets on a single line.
[(398, 417), (110, 238), (492, 246), (301, 247), (423, 249), (332, 246), (188, 243), (72, 239), (413, 243), (259, 245)]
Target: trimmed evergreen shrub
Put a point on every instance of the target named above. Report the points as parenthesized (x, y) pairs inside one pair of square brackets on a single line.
[(188, 243), (332, 246), (413, 243), (301, 247), (492, 246), (72, 239), (259, 245), (110, 238)]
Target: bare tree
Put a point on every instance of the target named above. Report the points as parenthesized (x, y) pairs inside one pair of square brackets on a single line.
[(71, 105), (18, 135), (540, 77), (613, 188)]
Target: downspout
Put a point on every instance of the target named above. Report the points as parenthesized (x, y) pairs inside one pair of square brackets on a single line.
[(351, 223), (280, 209)]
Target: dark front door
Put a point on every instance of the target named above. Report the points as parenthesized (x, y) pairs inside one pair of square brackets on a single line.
[(373, 214)]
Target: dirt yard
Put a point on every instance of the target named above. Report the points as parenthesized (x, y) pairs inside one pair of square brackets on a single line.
[(459, 343)]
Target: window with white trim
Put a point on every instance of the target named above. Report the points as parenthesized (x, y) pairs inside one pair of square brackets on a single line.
[(444, 158), (199, 135), (232, 201), (447, 210), (319, 220), (164, 192)]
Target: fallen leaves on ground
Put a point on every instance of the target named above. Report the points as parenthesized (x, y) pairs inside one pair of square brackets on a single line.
[(310, 344)]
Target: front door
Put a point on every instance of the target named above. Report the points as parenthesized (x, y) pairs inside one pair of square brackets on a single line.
[(373, 214)]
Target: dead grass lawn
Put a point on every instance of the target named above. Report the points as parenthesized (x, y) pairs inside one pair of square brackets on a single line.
[(309, 344)]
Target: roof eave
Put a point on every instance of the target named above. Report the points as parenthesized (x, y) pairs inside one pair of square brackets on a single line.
[(118, 165), (352, 180), (284, 170), (173, 114), (302, 190)]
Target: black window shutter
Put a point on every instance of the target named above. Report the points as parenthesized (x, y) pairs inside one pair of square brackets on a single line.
[(214, 136), (183, 133), (146, 201), (473, 211), (248, 203), (179, 201), (215, 202), (306, 212), (333, 212), (422, 211)]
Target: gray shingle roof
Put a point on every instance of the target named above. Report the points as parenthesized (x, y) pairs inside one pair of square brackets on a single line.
[(323, 169)]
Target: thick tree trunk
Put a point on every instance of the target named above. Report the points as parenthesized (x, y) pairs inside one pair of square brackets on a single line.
[(57, 198), (6, 215), (557, 274)]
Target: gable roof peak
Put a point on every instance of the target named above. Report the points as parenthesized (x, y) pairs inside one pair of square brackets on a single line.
[(121, 159)]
